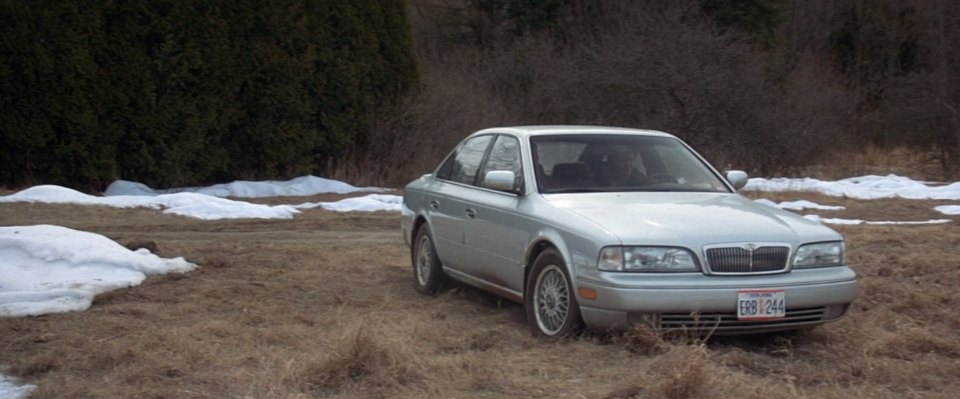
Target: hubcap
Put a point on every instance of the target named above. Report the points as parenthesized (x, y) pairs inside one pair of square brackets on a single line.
[(551, 300), (423, 260)]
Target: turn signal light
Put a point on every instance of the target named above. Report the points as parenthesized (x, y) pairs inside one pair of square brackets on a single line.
[(587, 293)]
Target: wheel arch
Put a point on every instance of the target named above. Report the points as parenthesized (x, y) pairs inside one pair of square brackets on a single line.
[(546, 240), (573, 319), (420, 220)]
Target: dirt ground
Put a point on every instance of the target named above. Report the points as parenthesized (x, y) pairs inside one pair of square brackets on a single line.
[(323, 306)]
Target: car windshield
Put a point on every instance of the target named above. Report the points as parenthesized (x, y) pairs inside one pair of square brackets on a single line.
[(617, 163)]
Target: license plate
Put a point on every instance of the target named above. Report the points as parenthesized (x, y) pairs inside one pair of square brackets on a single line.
[(761, 305)]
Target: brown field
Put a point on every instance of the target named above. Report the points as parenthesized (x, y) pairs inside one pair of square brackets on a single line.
[(323, 306)]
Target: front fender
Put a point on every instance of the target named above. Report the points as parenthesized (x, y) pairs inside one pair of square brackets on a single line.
[(577, 252), (408, 220)]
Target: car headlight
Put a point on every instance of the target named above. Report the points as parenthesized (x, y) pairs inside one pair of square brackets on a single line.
[(647, 259), (821, 254)]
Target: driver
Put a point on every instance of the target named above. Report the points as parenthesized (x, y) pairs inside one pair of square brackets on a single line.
[(620, 168)]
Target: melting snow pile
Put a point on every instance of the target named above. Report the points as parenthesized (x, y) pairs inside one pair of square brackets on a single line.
[(10, 390), (52, 269), (799, 205), (208, 203), (817, 218), (948, 209), (863, 187), (301, 186), (184, 204), (370, 203)]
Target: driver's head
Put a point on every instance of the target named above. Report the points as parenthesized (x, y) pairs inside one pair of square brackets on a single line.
[(622, 160)]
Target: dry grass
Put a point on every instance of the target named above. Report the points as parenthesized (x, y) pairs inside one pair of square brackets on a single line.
[(322, 306), (870, 160)]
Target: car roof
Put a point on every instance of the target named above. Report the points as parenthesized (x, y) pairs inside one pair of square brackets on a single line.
[(526, 131)]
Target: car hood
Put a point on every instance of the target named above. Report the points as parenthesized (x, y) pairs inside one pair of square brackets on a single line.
[(691, 219)]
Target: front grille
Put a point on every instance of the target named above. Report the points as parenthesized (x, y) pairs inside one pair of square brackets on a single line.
[(737, 260), (721, 322)]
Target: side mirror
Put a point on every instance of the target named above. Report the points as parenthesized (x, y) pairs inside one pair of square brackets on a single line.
[(737, 178), (501, 180)]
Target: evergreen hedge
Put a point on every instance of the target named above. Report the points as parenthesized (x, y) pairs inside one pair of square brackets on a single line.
[(182, 92)]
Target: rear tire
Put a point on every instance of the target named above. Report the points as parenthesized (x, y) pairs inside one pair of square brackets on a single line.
[(427, 270), (549, 299)]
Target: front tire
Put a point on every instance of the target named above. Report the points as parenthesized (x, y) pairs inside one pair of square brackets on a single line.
[(550, 302), (427, 269)]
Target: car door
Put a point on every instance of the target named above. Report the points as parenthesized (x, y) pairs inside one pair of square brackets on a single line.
[(493, 239), (453, 187)]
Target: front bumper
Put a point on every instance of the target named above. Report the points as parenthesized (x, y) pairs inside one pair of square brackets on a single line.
[(700, 302)]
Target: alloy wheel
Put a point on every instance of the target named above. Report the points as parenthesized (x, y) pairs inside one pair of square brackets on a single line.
[(551, 300)]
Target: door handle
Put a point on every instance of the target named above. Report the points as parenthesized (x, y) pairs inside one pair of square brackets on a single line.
[(471, 213), (435, 204)]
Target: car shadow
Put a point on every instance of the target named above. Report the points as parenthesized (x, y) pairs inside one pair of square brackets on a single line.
[(489, 301)]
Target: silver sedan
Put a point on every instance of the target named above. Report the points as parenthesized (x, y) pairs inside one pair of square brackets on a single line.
[(612, 227)]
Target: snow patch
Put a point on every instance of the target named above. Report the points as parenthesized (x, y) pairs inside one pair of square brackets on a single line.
[(184, 204), (10, 390), (301, 186), (863, 187), (799, 205), (369, 203), (817, 218), (53, 269), (948, 209)]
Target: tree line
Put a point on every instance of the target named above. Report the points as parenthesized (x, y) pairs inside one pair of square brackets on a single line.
[(177, 92), (770, 86)]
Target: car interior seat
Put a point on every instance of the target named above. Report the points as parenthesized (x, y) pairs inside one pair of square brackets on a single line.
[(571, 174)]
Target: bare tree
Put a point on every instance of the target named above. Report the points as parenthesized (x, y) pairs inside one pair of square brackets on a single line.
[(922, 107)]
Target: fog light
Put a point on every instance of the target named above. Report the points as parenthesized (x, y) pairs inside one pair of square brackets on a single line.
[(587, 293), (836, 311)]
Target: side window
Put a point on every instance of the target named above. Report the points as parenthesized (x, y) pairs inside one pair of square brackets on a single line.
[(505, 155), (466, 162), (447, 166)]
